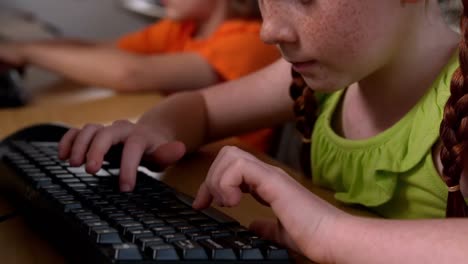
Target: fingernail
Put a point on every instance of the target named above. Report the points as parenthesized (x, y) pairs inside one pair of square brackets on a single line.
[(74, 161), (125, 188), (195, 203), (91, 164)]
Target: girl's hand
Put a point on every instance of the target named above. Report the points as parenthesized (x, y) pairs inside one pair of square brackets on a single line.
[(90, 144), (305, 222), (11, 55)]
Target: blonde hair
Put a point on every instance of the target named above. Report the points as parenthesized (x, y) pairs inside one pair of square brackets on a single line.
[(247, 9)]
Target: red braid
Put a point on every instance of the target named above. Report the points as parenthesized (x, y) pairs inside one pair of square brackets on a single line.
[(454, 127), (305, 109)]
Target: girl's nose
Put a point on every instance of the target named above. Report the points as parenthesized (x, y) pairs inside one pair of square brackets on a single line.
[(276, 30)]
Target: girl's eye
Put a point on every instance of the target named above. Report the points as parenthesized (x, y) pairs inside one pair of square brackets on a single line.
[(306, 2)]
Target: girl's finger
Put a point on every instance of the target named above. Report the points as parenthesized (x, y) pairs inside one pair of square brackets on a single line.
[(227, 156), (203, 198), (66, 143), (102, 142), (134, 148), (262, 181), (81, 143), (215, 172)]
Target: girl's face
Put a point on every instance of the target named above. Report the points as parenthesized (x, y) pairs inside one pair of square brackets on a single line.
[(336, 43), (189, 9)]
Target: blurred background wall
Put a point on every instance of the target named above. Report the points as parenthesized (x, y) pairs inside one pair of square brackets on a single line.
[(89, 19), (84, 19)]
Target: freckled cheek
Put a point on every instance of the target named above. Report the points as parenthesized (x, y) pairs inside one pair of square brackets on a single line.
[(346, 43), (328, 41)]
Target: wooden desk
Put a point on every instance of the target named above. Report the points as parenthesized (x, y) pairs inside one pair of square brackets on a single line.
[(18, 244), (74, 105)]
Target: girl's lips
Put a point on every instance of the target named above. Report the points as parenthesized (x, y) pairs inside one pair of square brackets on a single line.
[(303, 66)]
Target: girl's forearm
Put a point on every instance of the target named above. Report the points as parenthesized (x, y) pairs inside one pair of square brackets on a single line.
[(88, 63), (180, 117), (366, 240), (328, 235)]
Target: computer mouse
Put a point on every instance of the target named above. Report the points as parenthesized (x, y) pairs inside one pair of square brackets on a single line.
[(12, 91)]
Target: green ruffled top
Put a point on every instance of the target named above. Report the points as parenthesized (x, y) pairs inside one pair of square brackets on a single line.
[(392, 173)]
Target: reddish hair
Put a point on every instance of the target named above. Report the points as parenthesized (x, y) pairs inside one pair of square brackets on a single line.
[(453, 129), (305, 108)]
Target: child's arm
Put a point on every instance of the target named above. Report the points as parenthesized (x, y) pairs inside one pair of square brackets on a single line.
[(110, 67), (321, 232), (193, 118)]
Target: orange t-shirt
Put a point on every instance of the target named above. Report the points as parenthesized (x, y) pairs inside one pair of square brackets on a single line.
[(233, 50)]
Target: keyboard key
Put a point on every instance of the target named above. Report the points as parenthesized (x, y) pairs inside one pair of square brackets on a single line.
[(152, 222), (256, 241), (114, 172), (133, 235), (187, 229), (41, 181), (240, 231), (126, 251), (220, 233), (217, 251), (64, 176), (145, 242), (272, 252), (164, 230), (162, 252), (67, 205), (106, 236), (198, 219), (70, 180), (123, 227), (190, 250), (82, 170), (243, 250), (93, 224), (176, 222), (209, 226), (170, 238), (198, 236)]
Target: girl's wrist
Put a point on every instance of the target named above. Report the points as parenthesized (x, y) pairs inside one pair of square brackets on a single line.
[(313, 223), (332, 233), (344, 232)]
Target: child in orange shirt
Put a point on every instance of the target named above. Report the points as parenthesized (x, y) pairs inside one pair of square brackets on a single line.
[(202, 42)]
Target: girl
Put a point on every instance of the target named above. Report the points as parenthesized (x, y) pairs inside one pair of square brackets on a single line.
[(202, 42), (386, 67)]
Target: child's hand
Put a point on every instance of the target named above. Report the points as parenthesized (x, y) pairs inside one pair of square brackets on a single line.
[(90, 144), (11, 55), (304, 220)]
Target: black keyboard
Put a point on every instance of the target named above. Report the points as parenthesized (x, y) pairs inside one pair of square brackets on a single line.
[(90, 221)]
